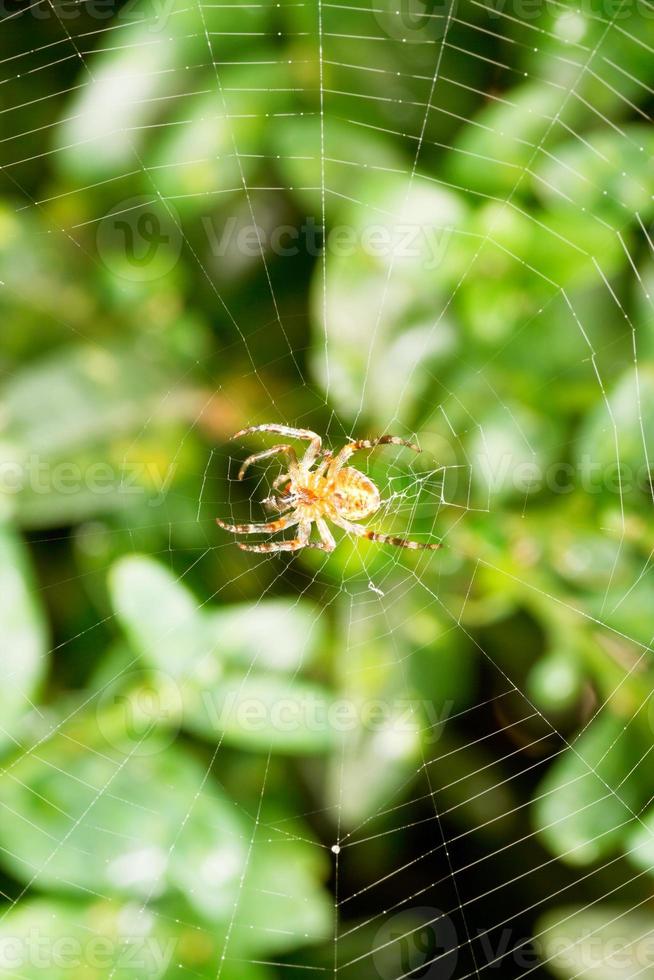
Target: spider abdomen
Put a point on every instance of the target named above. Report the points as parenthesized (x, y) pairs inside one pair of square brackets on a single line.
[(354, 495)]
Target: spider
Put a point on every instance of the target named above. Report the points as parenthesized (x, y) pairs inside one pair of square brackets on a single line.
[(333, 491)]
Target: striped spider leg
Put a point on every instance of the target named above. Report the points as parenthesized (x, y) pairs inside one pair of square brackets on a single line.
[(358, 444), (360, 531), (266, 454), (314, 448), (326, 542)]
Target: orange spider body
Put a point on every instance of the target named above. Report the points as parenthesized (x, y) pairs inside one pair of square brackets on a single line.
[(331, 492), (352, 495)]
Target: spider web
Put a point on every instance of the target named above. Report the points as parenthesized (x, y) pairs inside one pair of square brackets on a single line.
[(479, 177)]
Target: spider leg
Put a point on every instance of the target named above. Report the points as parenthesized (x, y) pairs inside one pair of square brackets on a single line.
[(353, 447), (295, 544), (287, 430), (266, 454), (364, 532), (326, 542), (282, 478), (268, 528), (275, 506), (282, 430), (328, 456)]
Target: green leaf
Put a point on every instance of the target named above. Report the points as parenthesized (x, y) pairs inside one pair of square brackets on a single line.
[(627, 608), (41, 274), (251, 709), (520, 127), (510, 452), (556, 681), (173, 632), (94, 391), (526, 258), (104, 806), (590, 794), (261, 711), (23, 635), (640, 843), (493, 152), (299, 141), (107, 118), (605, 172), (65, 939), (135, 84), (383, 278), (383, 747), (281, 906), (77, 459), (215, 139), (600, 942), (275, 634), (162, 619), (110, 940), (629, 421)]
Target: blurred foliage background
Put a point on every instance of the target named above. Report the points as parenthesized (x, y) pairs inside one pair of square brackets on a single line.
[(146, 831)]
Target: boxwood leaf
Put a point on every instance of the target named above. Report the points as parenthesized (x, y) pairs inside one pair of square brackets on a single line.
[(110, 940), (124, 813), (160, 616), (23, 635), (600, 942), (589, 795), (261, 710)]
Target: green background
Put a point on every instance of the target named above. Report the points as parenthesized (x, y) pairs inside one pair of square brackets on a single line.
[(143, 324)]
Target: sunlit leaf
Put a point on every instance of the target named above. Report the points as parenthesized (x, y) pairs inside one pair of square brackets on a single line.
[(137, 83), (160, 616), (23, 636), (110, 940), (121, 811), (215, 138), (276, 634), (607, 172), (591, 793), (385, 271), (261, 711), (602, 942), (77, 459)]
